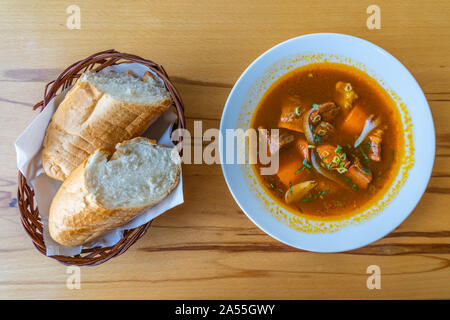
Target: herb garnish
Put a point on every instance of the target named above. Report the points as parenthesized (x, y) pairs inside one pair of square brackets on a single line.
[(364, 154), (306, 165), (316, 196), (366, 171), (341, 170), (318, 139), (354, 186)]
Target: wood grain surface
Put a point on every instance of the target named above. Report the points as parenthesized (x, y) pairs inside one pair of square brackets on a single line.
[(207, 248)]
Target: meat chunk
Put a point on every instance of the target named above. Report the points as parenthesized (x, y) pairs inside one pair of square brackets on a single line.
[(324, 129), (325, 112), (375, 139), (275, 144), (335, 159)]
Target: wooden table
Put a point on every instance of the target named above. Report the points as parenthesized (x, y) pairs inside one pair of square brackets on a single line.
[(207, 248)]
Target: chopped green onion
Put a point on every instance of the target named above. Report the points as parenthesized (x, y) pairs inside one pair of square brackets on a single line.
[(329, 165), (341, 170), (354, 186), (306, 164), (290, 187), (316, 196), (318, 139), (315, 105), (311, 146), (338, 149), (364, 154), (298, 111)]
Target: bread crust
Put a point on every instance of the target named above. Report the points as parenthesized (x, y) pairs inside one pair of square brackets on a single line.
[(88, 119), (77, 216)]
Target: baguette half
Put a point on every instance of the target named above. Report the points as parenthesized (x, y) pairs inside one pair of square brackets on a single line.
[(100, 110), (110, 188)]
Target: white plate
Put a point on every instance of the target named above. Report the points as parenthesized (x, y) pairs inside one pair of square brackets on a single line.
[(406, 190)]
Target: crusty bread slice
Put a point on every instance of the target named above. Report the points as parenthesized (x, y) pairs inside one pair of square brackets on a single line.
[(110, 188), (100, 110)]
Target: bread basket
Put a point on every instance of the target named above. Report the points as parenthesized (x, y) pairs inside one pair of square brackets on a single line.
[(30, 217)]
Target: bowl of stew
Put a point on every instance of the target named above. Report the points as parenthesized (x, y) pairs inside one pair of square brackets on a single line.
[(343, 142)]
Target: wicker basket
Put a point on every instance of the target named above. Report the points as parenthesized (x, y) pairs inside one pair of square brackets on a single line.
[(25, 195)]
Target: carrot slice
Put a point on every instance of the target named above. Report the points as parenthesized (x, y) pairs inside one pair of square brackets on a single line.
[(355, 120), (289, 172), (290, 120), (358, 177), (295, 125)]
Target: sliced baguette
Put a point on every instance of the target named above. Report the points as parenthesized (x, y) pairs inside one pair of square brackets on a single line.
[(100, 110), (110, 188)]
